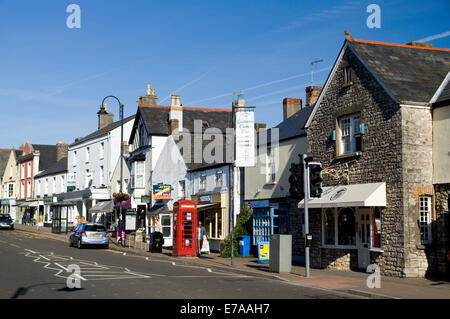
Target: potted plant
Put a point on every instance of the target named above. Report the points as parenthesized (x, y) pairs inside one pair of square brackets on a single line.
[(121, 197)]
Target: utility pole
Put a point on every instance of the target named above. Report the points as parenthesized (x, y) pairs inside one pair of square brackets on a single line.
[(306, 198)]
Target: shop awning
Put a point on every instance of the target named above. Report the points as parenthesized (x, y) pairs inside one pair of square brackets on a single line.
[(128, 204), (355, 195), (29, 204), (157, 209), (8, 202), (201, 207), (102, 207), (63, 204)]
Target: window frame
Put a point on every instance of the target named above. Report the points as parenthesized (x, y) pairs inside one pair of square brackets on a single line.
[(427, 222), (344, 123)]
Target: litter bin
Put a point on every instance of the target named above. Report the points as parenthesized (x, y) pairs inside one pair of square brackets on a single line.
[(156, 242), (244, 245)]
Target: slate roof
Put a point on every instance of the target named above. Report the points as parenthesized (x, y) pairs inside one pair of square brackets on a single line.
[(4, 156), (102, 131), (410, 73), (292, 127), (47, 155), (56, 168), (156, 118), (445, 94)]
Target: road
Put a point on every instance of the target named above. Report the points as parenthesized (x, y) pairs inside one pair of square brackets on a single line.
[(35, 266)]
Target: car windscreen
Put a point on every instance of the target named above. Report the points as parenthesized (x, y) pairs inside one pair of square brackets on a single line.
[(94, 228), (5, 216)]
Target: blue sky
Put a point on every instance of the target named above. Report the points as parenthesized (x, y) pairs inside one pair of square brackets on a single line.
[(53, 78)]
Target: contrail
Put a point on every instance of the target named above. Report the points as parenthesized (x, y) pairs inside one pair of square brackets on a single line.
[(186, 85), (435, 37), (263, 85)]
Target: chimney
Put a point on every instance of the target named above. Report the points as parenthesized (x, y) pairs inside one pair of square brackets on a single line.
[(173, 126), (77, 139), (126, 149), (260, 126), (291, 106), (312, 94), (150, 98), (62, 150), (175, 115), (104, 118), (420, 44)]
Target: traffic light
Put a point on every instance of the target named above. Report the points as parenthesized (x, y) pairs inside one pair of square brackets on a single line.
[(315, 179), (296, 181)]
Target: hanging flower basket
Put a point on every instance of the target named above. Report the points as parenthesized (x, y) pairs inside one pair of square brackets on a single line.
[(121, 197)]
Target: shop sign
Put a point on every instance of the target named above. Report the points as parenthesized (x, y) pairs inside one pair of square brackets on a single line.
[(245, 139), (146, 199), (259, 204), (205, 199), (162, 192)]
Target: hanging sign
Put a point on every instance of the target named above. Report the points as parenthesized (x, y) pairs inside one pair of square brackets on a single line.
[(245, 139)]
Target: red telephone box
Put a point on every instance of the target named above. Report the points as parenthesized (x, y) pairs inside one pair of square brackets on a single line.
[(184, 228)]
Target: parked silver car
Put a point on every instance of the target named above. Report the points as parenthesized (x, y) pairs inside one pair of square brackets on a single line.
[(89, 234), (6, 221)]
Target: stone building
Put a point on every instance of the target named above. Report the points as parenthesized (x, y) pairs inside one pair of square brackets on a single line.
[(372, 130)]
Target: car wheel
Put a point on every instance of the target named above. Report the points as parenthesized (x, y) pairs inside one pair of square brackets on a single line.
[(70, 242), (79, 244)]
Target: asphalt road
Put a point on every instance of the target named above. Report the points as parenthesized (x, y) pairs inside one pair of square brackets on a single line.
[(35, 266)]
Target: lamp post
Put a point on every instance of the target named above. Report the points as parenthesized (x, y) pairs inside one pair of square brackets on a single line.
[(121, 157)]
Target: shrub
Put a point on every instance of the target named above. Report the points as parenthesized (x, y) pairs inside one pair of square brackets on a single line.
[(243, 227)]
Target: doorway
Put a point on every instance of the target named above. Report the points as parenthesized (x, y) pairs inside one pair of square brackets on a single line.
[(363, 242)]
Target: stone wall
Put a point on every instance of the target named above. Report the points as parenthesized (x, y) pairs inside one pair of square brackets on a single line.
[(381, 156)]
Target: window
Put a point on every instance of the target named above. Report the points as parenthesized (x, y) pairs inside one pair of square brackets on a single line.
[(346, 227), (376, 226), (54, 185), (102, 150), (11, 190), (166, 225), (62, 183), (46, 187), (350, 134), (270, 160), (38, 189), (29, 170), (28, 189), (22, 190), (328, 227), (181, 189), (347, 75), (425, 219), (219, 179), (212, 221), (139, 174), (88, 179), (203, 181), (75, 158), (102, 176), (22, 171), (88, 154)]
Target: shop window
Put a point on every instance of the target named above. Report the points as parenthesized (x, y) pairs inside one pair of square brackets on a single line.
[(376, 226), (346, 227), (328, 227), (219, 225), (425, 219)]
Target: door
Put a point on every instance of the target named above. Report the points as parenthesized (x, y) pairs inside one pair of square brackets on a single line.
[(166, 228), (363, 243)]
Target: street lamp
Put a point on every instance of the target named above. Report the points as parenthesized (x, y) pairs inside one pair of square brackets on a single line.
[(121, 155)]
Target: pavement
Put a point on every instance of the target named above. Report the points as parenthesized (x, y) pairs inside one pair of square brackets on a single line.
[(348, 282)]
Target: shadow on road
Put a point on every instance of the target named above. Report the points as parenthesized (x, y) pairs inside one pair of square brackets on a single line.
[(22, 291)]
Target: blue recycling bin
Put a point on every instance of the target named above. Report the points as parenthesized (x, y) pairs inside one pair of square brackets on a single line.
[(244, 245)]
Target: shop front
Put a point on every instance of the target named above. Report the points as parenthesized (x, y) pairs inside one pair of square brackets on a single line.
[(160, 219), (346, 226), (212, 211), (9, 207)]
